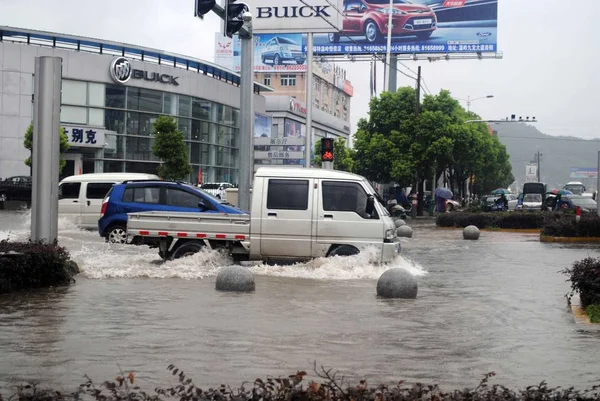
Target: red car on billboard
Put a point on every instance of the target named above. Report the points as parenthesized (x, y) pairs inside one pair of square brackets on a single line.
[(369, 18)]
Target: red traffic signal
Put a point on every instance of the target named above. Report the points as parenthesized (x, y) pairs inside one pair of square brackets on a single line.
[(327, 149)]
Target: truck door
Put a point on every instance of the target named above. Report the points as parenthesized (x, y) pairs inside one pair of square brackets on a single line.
[(286, 218), (342, 218)]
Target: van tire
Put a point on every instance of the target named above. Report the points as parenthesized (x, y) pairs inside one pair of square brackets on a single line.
[(187, 249), (116, 234), (343, 250)]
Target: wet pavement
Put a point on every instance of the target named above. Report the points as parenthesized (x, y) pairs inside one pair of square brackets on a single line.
[(496, 304)]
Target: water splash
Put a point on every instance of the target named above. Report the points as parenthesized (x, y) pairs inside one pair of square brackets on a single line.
[(361, 266)]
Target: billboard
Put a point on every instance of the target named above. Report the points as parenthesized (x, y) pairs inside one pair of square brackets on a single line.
[(531, 173), (223, 51), (294, 129), (583, 172), (295, 16), (274, 53), (419, 26)]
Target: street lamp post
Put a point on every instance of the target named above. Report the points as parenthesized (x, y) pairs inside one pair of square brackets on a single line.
[(469, 100)]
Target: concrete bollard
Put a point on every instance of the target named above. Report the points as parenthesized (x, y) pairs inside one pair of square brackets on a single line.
[(404, 231), (471, 233), (235, 279), (397, 283), (399, 223)]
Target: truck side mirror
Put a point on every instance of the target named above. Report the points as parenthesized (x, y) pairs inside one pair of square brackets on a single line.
[(370, 205)]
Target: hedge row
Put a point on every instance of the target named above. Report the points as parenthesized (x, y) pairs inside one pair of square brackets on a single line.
[(293, 388), (587, 226), (25, 265), (511, 220)]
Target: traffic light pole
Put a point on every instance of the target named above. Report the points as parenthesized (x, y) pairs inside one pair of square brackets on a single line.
[(246, 114)]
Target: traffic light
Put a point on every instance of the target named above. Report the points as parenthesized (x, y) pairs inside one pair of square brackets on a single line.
[(327, 149), (202, 7), (233, 16)]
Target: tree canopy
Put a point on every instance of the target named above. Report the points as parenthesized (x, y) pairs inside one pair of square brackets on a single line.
[(394, 144), (170, 147), (64, 146)]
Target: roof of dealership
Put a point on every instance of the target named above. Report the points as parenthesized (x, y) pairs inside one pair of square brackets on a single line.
[(89, 45)]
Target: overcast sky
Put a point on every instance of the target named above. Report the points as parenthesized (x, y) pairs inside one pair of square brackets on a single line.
[(549, 69)]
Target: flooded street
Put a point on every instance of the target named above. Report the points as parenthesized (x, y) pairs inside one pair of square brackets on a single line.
[(496, 304)]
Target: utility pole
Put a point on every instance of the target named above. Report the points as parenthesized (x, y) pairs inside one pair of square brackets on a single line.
[(419, 187), (538, 159)]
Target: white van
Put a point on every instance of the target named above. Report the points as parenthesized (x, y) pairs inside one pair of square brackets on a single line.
[(80, 196)]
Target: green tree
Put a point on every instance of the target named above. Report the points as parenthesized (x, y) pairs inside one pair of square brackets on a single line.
[(64, 146), (170, 147), (343, 158)]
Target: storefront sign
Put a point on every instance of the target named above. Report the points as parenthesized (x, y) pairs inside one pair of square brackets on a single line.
[(279, 141), (85, 137), (121, 71), (262, 155), (296, 16), (297, 107)]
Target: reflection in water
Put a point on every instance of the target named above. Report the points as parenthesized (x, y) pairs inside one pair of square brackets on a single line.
[(496, 304)]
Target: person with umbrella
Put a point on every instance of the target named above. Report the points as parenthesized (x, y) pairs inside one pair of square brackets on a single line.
[(441, 197), (560, 203), (502, 202)]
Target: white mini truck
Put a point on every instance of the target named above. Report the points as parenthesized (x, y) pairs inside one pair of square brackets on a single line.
[(297, 214)]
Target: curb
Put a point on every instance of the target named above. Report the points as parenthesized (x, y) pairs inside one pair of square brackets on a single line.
[(570, 240), (580, 316), (506, 230)]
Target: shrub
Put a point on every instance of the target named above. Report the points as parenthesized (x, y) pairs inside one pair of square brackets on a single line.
[(34, 265), (593, 312), (584, 276), (566, 226), (293, 388)]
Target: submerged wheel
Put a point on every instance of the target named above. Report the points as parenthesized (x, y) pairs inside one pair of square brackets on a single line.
[(117, 235), (187, 249), (344, 250)]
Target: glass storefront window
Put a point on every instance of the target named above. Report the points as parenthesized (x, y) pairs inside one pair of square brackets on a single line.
[(139, 148), (96, 94), (195, 152), (74, 92), (200, 109), (114, 120), (225, 136), (111, 166), (225, 115), (185, 106), (144, 100), (115, 96), (170, 104), (111, 148), (184, 125), (223, 175), (225, 156), (200, 130), (73, 115), (140, 123), (146, 168)]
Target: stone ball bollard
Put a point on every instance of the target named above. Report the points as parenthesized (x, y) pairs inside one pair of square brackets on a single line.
[(471, 233), (404, 231), (235, 279), (397, 283), (399, 223)]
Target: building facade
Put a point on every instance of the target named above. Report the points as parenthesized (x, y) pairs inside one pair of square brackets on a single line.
[(332, 92), (111, 95)]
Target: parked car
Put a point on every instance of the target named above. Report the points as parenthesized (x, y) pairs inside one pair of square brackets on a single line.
[(217, 189), (530, 202), (370, 18), (16, 188), (513, 201), (80, 196), (587, 204), (280, 49), (153, 195)]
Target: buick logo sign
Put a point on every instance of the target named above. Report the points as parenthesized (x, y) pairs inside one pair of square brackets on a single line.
[(120, 70)]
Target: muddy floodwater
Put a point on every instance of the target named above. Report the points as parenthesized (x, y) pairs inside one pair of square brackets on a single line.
[(496, 304)]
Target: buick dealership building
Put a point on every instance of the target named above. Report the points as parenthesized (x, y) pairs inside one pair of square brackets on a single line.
[(111, 95)]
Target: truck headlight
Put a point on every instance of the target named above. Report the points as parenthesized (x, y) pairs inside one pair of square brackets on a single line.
[(390, 234)]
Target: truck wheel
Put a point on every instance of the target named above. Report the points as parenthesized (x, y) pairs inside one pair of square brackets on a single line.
[(187, 249), (117, 234), (344, 250)]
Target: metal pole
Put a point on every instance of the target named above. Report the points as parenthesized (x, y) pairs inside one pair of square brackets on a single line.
[(538, 166), (309, 99), (246, 116), (388, 52), (45, 155), (393, 74)]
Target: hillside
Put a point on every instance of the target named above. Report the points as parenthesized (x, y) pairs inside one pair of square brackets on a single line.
[(559, 154)]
